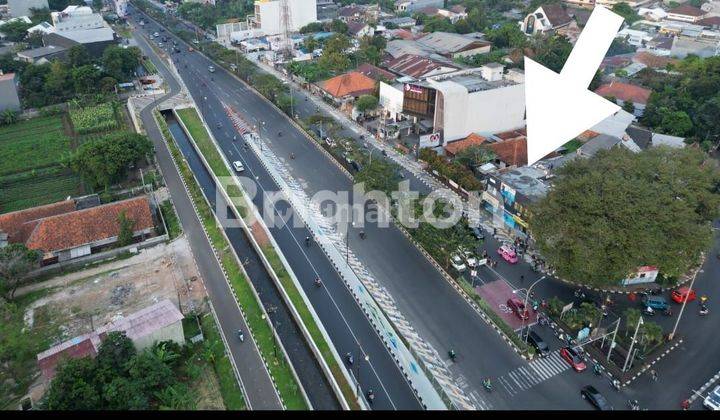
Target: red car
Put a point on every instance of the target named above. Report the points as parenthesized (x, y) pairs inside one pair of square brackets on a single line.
[(682, 294), (518, 307), (573, 358)]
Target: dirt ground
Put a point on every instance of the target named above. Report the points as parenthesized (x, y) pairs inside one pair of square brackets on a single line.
[(87, 299)]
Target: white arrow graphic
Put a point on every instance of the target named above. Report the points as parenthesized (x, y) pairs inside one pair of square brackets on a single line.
[(559, 106)]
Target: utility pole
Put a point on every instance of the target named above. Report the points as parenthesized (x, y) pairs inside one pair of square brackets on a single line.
[(682, 308), (632, 345), (527, 295), (612, 343)]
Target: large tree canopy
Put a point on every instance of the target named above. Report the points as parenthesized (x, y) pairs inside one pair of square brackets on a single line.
[(611, 214)]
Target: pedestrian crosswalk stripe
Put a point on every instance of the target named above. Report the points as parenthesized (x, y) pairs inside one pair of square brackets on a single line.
[(535, 372)]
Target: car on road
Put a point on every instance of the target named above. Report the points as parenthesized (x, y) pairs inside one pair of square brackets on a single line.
[(658, 303), (540, 346), (683, 294), (518, 308), (155, 35), (712, 401), (238, 166), (573, 358), (470, 259), (508, 254), (457, 263), (589, 393), (211, 69), (477, 233)]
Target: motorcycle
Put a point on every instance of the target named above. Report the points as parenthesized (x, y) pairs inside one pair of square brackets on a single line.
[(648, 311), (318, 282), (452, 355), (370, 396), (487, 385), (307, 241), (241, 336), (634, 405), (597, 370), (349, 359), (704, 310)]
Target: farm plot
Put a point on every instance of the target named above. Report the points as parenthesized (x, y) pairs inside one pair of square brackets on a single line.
[(31, 172), (94, 119)]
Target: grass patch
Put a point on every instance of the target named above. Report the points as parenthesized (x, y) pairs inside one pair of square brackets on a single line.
[(262, 332), (93, 119), (572, 145), (215, 351), (171, 220), (192, 121)]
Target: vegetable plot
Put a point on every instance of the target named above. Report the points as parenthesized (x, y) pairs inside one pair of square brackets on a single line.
[(94, 119)]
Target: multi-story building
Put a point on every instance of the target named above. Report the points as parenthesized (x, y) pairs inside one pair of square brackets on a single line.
[(327, 10), (268, 15), (24, 7), (413, 5), (121, 8)]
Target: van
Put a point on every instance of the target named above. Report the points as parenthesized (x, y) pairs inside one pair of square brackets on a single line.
[(658, 303), (538, 344)]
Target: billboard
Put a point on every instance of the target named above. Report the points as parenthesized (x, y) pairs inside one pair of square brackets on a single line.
[(430, 140)]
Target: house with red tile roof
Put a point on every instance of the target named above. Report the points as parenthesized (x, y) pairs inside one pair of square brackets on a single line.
[(455, 147), (63, 232), (347, 87), (375, 73), (686, 13), (512, 152), (159, 322), (625, 92)]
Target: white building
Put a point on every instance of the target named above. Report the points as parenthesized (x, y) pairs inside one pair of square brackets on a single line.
[(268, 15), (473, 101), (75, 18), (121, 8), (635, 37), (23, 7), (413, 5)]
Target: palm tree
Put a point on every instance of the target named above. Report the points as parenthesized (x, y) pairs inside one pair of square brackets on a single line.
[(632, 315)]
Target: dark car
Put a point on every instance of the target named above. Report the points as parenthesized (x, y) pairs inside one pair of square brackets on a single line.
[(591, 394), (538, 344), (573, 358), (658, 303), (477, 233)]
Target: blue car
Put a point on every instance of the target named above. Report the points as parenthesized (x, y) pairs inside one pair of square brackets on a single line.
[(658, 303)]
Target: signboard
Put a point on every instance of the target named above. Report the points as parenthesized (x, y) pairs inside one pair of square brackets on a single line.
[(413, 88), (430, 140), (488, 198), (566, 308)]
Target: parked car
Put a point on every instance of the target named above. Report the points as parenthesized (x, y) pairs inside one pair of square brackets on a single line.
[(682, 294), (595, 398), (470, 259), (477, 233), (211, 69), (238, 166), (155, 35), (712, 401), (518, 307), (538, 344), (457, 263), (658, 303), (573, 358), (508, 254)]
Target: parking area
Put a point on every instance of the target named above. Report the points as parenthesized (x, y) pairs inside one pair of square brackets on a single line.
[(496, 294)]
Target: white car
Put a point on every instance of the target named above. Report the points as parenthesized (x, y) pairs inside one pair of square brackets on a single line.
[(457, 263), (238, 166), (470, 259), (712, 401)]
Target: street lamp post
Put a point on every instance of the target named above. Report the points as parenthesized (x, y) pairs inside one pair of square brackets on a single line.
[(630, 351), (527, 296)]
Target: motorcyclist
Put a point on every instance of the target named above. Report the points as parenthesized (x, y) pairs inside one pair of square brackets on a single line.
[(704, 309), (634, 405), (370, 396), (596, 369), (452, 355), (307, 241), (292, 155), (349, 358), (240, 335), (362, 234), (318, 282), (487, 384)]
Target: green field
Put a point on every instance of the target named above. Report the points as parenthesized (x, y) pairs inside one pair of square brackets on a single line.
[(31, 173), (93, 119)]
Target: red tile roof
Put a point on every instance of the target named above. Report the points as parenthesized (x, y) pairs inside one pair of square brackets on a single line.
[(348, 84), (653, 61), (512, 134), (625, 92), (85, 345), (687, 10), (512, 152), (7, 76), (403, 34), (709, 21), (455, 147), (20, 224), (90, 225), (556, 15)]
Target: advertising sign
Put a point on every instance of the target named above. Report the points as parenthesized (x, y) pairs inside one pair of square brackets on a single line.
[(430, 140), (413, 88)]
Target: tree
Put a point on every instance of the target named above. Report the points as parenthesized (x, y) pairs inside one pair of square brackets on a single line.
[(338, 26), (379, 175), (628, 13), (85, 79), (78, 56), (475, 155), (104, 160), (707, 121), (366, 103), (16, 30), (631, 315), (507, 36), (74, 386), (16, 261), (676, 123), (125, 237), (437, 23), (120, 63), (334, 57), (115, 352), (608, 215), (311, 28), (629, 107)]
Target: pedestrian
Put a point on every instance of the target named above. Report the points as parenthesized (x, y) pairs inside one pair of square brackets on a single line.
[(522, 278), (685, 405), (653, 374)]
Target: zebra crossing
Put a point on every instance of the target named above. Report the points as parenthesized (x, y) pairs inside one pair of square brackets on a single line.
[(534, 373)]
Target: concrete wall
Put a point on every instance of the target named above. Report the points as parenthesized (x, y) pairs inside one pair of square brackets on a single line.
[(487, 112), (8, 95), (22, 7), (172, 332), (391, 99)]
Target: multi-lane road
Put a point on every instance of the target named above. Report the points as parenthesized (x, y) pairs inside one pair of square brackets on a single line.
[(425, 299)]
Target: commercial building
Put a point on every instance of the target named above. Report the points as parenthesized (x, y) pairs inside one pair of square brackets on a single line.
[(9, 92), (268, 15), (24, 7)]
